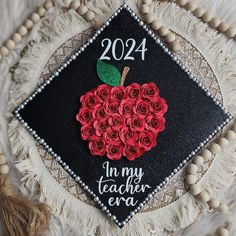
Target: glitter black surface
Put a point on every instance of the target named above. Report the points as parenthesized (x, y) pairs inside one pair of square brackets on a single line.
[(191, 118)]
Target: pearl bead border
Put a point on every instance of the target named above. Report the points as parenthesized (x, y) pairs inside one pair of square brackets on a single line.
[(64, 164)]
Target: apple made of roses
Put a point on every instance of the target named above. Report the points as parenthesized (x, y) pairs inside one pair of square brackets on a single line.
[(122, 120)]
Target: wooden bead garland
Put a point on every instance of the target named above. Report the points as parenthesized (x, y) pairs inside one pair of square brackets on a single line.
[(204, 196), (4, 51), (147, 2), (175, 46), (222, 232), (67, 3), (198, 160), (191, 179), (234, 127), (181, 2), (192, 169), (75, 4), (41, 11), (170, 37), (149, 18), (230, 135), (2, 160), (89, 15), (82, 10), (198, 12), (35, 17), (231, 32), (163, 31), (48, 5), (191, 6), (206, 17), (156, 25), (4, 168), (23, 29), (223, 208), (195, 188), (29, 24), (10, 44), (145, 9), (206, 154), (214, 22), (223, 26), (215, 148), (223, 142), (214, 203)]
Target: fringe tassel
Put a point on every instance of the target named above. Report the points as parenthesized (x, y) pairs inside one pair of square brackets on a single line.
[(20, 216)]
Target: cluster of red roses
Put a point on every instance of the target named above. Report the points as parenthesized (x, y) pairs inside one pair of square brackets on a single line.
[(122, 120)]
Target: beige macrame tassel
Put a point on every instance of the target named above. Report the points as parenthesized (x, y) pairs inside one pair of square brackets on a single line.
[(20, 216)]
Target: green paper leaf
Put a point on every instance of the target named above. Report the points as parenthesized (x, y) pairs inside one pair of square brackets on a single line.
[(108, 73)]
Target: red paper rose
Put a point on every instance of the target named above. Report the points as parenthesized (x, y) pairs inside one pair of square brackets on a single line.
[(84, 116), (128, 136), (147, 140), (158, 106), (116, 122), (114, 151), (118, 93), (88, 132), (155, 123), (142, 108), (88, 100), (126, 108), (111, 107), (112, 135), (150, 90), (132, 151), (134, 91), (100, 126), (122, 121), (97, 147), (102, 92), (98, 112)]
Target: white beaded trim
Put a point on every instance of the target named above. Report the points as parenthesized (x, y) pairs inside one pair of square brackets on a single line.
[(67, 168)]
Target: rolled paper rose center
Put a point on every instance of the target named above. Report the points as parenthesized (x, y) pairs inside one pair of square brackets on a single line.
[(115, 150), (100, 145), (134, 93), (142, 108), (137, 123), (120, 95), (132, 150), (150, 92), (146, 140), (114, 134), (129, 134)]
